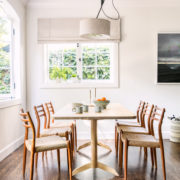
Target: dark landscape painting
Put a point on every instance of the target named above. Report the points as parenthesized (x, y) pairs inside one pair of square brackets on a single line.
[(169, 58)]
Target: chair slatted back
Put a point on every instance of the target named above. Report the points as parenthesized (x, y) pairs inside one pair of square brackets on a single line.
[(27, 123), (146, 116), (50, 112), (40, 116), (157, 115), (140, 111)]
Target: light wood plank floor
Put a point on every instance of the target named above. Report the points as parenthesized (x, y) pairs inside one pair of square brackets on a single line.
[(138, 168)]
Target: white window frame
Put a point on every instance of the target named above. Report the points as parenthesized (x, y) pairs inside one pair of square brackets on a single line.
[(14, 97), (11, 69), (113, 83)]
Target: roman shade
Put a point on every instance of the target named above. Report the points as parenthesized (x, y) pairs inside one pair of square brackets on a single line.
[(68, 30)]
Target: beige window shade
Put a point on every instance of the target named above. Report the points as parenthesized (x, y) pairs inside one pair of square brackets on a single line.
[(67, 30)]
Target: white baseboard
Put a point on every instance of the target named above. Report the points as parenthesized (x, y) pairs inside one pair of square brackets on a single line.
[(11, 147)]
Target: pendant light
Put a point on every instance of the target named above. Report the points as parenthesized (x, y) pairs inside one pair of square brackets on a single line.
[(94, 28)]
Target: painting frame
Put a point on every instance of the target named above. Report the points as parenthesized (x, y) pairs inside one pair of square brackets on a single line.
[(158, 57)]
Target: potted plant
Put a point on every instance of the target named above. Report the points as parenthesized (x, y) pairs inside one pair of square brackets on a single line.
[(175, 129), (58, 74)]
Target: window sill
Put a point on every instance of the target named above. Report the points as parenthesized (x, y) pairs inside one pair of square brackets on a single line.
[(5, 103), (79, 85)]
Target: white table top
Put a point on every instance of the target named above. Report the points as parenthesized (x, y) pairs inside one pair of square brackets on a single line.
[(113, 111)]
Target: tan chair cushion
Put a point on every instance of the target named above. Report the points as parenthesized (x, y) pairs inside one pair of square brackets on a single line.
[(62, 124), (47, 143), (129, 129), (55, 131), (128, 123), (140, 140)]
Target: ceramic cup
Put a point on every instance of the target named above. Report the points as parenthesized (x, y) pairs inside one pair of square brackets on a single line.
[(74, 105), (85, 108), (98, 109), (79, 110)]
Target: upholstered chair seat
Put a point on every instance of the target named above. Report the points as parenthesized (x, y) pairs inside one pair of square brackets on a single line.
[(62, 124), (130, 129), (55, 131), (47, 143), (141, 140)]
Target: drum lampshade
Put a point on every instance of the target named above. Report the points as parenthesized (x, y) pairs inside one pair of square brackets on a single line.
[(95, 28)]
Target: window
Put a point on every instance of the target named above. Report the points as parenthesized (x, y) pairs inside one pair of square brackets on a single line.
[(62, 57), (6, 63), (90, 64)]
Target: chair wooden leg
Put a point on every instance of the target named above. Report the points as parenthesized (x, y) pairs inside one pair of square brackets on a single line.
[(72, 129), (125, 159), (69, 161), (145, 152), (120, 153), (163, 160), (32, 165), (115, 136), (67, 139), (116, 141), (155, 157), (75, 135), (36, 159), (58, 159), (152, 156), (71, 144), (24, 160)]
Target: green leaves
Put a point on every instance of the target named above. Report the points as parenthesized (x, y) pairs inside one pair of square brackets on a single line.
[(61, 73), (95, 63), (103, 73), (5, 37), (89, 73), (4, 81)]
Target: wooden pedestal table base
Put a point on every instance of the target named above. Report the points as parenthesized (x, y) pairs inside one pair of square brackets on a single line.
[(98, 143), (94, 162)]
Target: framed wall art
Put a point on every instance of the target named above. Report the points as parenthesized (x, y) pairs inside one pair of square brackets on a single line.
[(168, 61)]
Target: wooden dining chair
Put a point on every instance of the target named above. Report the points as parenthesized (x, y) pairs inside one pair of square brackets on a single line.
[(143, 140), (137, 123), (61, 124), (62, 132), (42, 144), (144, 129)]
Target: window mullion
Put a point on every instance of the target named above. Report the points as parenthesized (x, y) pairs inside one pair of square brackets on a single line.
[(79, 60)]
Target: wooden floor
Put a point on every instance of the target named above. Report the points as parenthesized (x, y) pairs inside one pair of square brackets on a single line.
[(138, 168)]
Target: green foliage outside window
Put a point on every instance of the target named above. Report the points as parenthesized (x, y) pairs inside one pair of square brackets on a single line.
[(103, 73), (70, 57), (95, 63), (99, 60), (4, 56), (89, 73)]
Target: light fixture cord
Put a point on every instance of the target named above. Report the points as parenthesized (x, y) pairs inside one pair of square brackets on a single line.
[(118, 15), (102, 2), (101, 8)]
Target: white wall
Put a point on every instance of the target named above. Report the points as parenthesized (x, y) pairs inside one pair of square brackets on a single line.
[(11, 129), (141, 21)]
